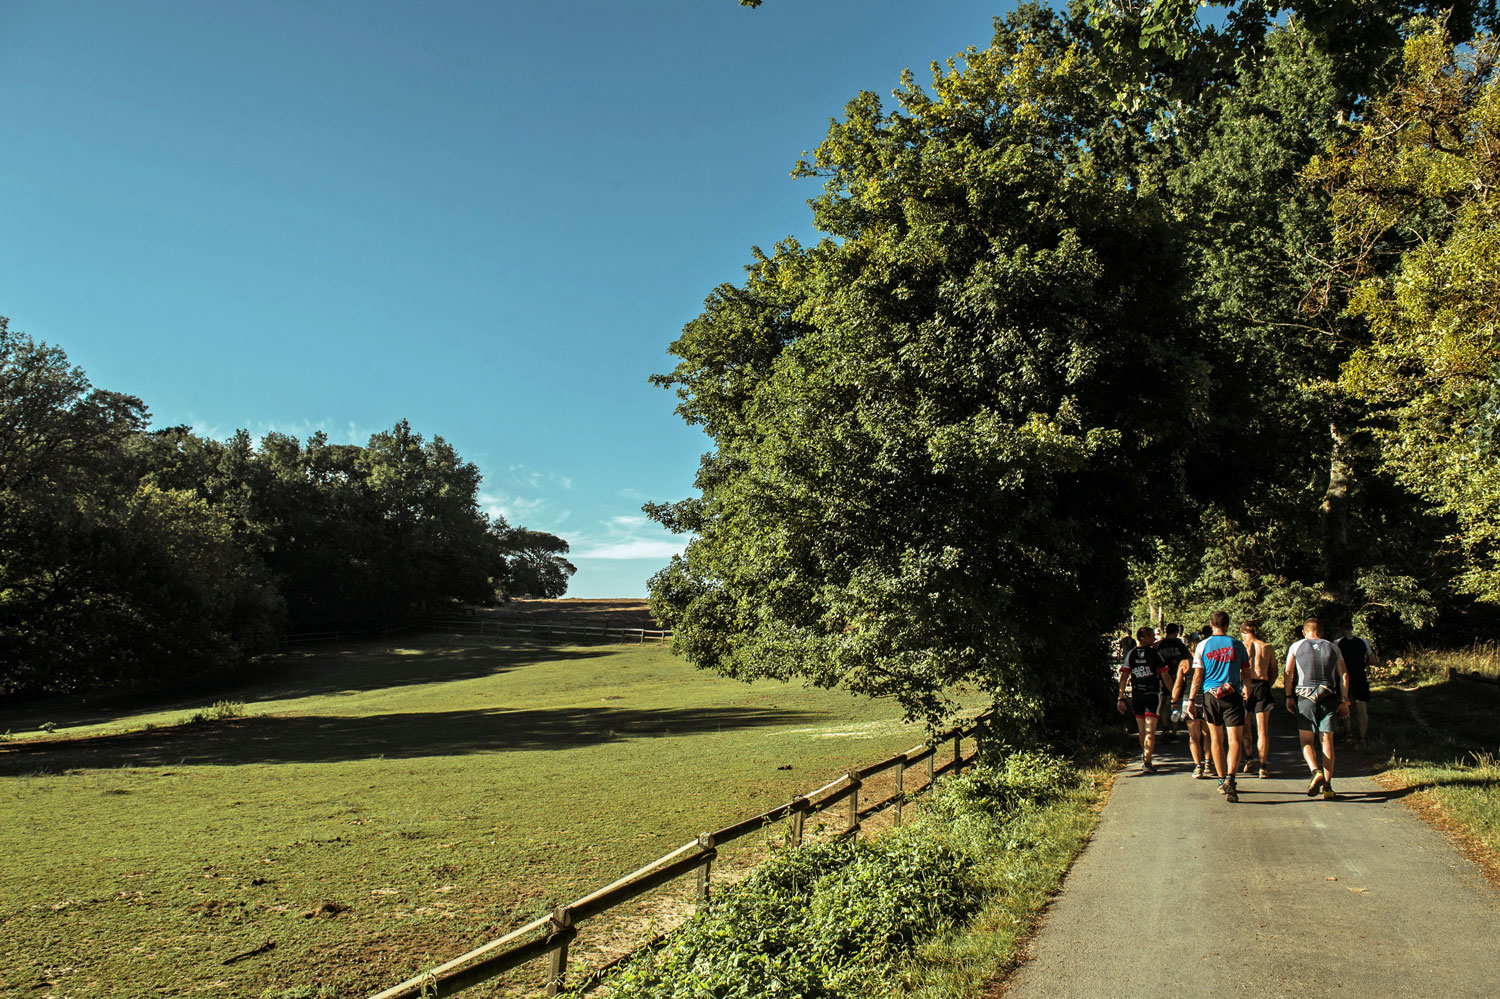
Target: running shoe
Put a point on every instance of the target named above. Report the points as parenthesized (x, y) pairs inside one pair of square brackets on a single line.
[(1313, 785), (1198, 773), (1328, 794), (1232, 793), (1264, 773), (1148, 766), (1360, 745), (1223, 787)]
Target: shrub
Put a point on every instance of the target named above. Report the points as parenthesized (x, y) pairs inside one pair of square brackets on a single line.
[(829, 921)]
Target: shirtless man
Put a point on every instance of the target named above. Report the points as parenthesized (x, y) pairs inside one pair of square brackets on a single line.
[(1260, 676), (1192, 711)]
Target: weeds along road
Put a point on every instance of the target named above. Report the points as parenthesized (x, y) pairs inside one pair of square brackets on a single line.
[(1181, 892)]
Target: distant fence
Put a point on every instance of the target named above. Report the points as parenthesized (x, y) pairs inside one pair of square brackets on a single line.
[(340, 634), (1474, 677), (542, 629), (551, 935)]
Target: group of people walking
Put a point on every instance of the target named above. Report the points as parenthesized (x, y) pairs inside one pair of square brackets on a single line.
[(1222, 686)]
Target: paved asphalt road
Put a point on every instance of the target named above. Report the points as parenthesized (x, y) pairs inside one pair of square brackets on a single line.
[(1181, 893)]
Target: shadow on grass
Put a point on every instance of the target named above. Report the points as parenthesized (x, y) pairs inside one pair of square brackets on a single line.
[(353, 668), (325, 739)]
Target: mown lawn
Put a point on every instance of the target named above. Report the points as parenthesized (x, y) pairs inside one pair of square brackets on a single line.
[(379, 809), (1443, 739)]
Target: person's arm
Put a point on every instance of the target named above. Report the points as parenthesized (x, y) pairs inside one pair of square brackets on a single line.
[(1120, 705), (1182, 675), (1342, 672), (1291, 671)]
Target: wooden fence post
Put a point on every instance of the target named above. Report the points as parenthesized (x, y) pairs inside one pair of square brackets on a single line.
[(958, 750), (931, 759), (900, 787), (854, 783), (706, 842), (562, 921), (799, 810)]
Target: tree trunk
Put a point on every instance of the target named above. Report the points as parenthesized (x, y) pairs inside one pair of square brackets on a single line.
[(1334, 518)]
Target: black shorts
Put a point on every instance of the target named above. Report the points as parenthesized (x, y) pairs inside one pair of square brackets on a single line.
[(1226, 711), (1359, 688), (1258, 696), (1145, 704)]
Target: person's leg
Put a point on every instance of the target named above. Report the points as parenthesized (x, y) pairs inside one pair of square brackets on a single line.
[(1216, 748), (1140, 733), (1195, 741), (1263, 733), (1310, 755), (1328, 740), (1148, 739), (1362, 708), (1236, 734)]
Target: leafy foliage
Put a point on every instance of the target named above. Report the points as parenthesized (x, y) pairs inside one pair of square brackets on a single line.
[(915, 418), (833, 919), (130, 556), (1417, 183)]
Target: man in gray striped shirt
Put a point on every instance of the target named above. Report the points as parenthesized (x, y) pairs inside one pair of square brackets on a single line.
[(1317, 691)]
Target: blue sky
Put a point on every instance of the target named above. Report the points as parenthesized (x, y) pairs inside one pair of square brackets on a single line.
[(490, 219)]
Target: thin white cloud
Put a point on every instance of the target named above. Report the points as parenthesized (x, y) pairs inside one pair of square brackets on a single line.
[(627, 536), (641, 548)]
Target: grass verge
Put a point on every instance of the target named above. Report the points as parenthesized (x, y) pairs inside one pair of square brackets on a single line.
[(1443, 737), (933, 909)]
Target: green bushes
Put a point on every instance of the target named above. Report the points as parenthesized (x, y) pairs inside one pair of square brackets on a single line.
[(833, 920)]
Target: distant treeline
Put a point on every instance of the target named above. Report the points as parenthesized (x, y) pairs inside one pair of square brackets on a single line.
[(131, 556)]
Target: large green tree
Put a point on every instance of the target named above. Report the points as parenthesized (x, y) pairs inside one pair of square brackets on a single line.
[(106, 579), (939, 431)]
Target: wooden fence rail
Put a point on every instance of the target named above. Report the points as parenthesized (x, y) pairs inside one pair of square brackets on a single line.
[(1474, 677), (480, 626), (557, 930)]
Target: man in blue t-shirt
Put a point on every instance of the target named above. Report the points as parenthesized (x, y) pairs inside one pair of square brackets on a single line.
[(1217, 662)]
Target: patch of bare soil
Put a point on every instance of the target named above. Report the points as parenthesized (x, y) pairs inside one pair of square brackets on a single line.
[(594, 613)]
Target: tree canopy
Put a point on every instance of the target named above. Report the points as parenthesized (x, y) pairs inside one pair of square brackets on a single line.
[(1076, 335)]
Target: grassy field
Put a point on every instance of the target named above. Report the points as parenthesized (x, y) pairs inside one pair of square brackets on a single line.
[(378, 809), (1443, 740)]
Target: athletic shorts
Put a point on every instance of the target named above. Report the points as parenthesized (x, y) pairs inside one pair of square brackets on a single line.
[(1359, 688), (1313, 717), (1143, 704), (1228, 711), (1258, 696)]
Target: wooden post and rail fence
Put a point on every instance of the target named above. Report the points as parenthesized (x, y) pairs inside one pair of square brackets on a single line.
[(550, 936), (1475, 677), (542, 629)]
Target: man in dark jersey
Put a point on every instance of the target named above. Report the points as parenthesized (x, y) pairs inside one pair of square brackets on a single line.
[(1147, 675), (1217, 663), (1172, 652), (1358, 655)]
